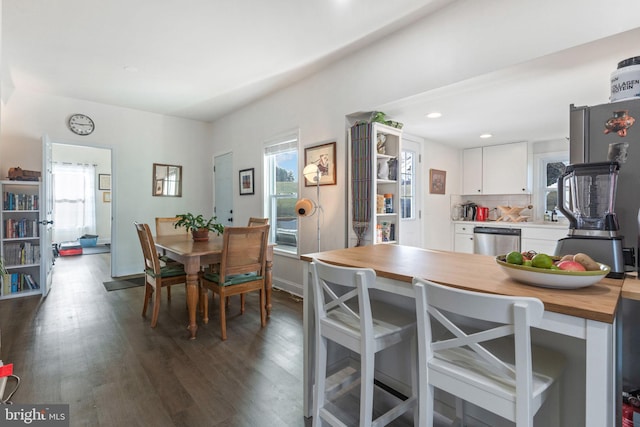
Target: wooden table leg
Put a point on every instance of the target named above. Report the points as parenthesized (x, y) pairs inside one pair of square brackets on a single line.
[(268, 285), (192, 268)]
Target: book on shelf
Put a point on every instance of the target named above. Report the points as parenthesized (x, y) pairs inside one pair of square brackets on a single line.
[(18, 282), (6, 284), (21, 253), (20, 202), (20, 228)]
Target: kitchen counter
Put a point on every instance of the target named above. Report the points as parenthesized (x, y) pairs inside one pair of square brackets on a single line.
[(510, 224), (581, 323)]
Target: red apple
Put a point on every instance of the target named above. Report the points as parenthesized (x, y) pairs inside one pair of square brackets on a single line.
[(571, 266)]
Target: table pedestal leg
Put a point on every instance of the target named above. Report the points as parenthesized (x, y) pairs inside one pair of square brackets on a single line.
[(192, 303)]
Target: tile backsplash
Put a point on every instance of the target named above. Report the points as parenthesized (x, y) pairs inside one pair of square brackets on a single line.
[(493, 201)]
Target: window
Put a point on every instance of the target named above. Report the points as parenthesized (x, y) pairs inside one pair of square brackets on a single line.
[(281, 191), (553, 171), (74, 213), (551, 167), (407, 190)]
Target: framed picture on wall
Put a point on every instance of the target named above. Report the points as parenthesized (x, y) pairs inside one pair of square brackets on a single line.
[(323, 156), (437, 181), (106, 197), (246, 182), (104, 181)]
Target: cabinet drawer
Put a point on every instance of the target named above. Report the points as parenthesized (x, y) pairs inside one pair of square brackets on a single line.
[(464, 229), (544, 233)]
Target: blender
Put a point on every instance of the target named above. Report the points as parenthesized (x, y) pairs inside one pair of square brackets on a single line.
[(593, 226)]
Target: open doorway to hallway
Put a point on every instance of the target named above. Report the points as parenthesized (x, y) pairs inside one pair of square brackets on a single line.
[(82, 194)]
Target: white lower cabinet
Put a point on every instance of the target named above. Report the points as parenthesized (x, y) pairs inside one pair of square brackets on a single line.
[(542, 240), (534, 237), (463, 238)]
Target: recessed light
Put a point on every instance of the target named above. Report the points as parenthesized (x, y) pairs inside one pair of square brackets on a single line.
[(486, 135), (434, 115)]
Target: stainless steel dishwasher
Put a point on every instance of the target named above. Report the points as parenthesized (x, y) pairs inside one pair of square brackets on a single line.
[(495, 240)]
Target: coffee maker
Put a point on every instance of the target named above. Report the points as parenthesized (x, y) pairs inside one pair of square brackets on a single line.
[(593, 226)]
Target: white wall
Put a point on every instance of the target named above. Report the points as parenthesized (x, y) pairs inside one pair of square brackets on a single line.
[(137, 139), (436, 213)]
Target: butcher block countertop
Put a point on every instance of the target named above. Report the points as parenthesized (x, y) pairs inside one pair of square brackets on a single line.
[(477, 273)]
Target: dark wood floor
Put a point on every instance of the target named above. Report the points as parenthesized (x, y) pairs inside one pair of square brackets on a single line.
[(91, 349)]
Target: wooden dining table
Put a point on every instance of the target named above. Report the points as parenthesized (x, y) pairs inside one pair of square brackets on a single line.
[(583, 322), (193, 255)]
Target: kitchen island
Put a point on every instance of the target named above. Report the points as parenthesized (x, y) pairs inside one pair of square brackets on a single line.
[(581, 323)]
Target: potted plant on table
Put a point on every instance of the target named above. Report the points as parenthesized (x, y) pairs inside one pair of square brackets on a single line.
[(199, 226)]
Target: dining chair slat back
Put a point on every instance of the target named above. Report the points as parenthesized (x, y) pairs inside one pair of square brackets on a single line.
[(165, 226), (156, 276), (253, 221), (242, 270)]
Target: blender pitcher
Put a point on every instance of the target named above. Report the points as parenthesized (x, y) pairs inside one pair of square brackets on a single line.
[(592, 193)]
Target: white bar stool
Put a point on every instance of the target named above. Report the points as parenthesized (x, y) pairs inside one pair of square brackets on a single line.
[(345, 315), (490, 365)]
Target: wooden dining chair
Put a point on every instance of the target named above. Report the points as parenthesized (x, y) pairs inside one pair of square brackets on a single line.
[(482, 354), (242, 270), (253, 221), (165, 226), (156, 276)]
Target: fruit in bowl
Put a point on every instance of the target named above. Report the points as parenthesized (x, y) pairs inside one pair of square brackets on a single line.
[(568, 272), (571, 266)]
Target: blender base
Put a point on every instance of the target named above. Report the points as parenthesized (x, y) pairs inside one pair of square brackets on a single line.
[(603, 250)]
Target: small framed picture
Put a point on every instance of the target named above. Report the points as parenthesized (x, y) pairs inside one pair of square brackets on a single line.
[(323, 156), (106, 197), (104, 181), (437, 181), (246, 182)]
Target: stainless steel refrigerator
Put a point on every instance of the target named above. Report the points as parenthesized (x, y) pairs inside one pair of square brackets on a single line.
[(609, 132), (592, 131)]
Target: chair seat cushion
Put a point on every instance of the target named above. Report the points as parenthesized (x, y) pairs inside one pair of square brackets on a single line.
[(234, 279), (167, 271)]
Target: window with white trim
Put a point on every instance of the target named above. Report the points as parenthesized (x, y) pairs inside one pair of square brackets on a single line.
[(407, 189), (550, 166), (281, 191)]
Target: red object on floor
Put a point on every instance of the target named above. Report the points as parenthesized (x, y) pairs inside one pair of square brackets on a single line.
[(69, 248), (6, 370)]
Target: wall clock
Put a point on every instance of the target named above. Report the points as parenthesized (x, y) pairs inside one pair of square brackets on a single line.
[(81, 124)]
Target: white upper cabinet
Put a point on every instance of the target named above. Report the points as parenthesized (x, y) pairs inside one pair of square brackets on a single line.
[(472, 171), (496, 169)]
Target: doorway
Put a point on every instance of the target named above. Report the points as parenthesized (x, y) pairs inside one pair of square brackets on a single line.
[(223, 187), (82, 195)]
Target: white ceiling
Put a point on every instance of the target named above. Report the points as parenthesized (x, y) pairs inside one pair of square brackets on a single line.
[(202, 59), (196, 59), (528, 102)]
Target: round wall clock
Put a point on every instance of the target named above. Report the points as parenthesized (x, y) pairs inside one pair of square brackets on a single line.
[(81, 124)]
